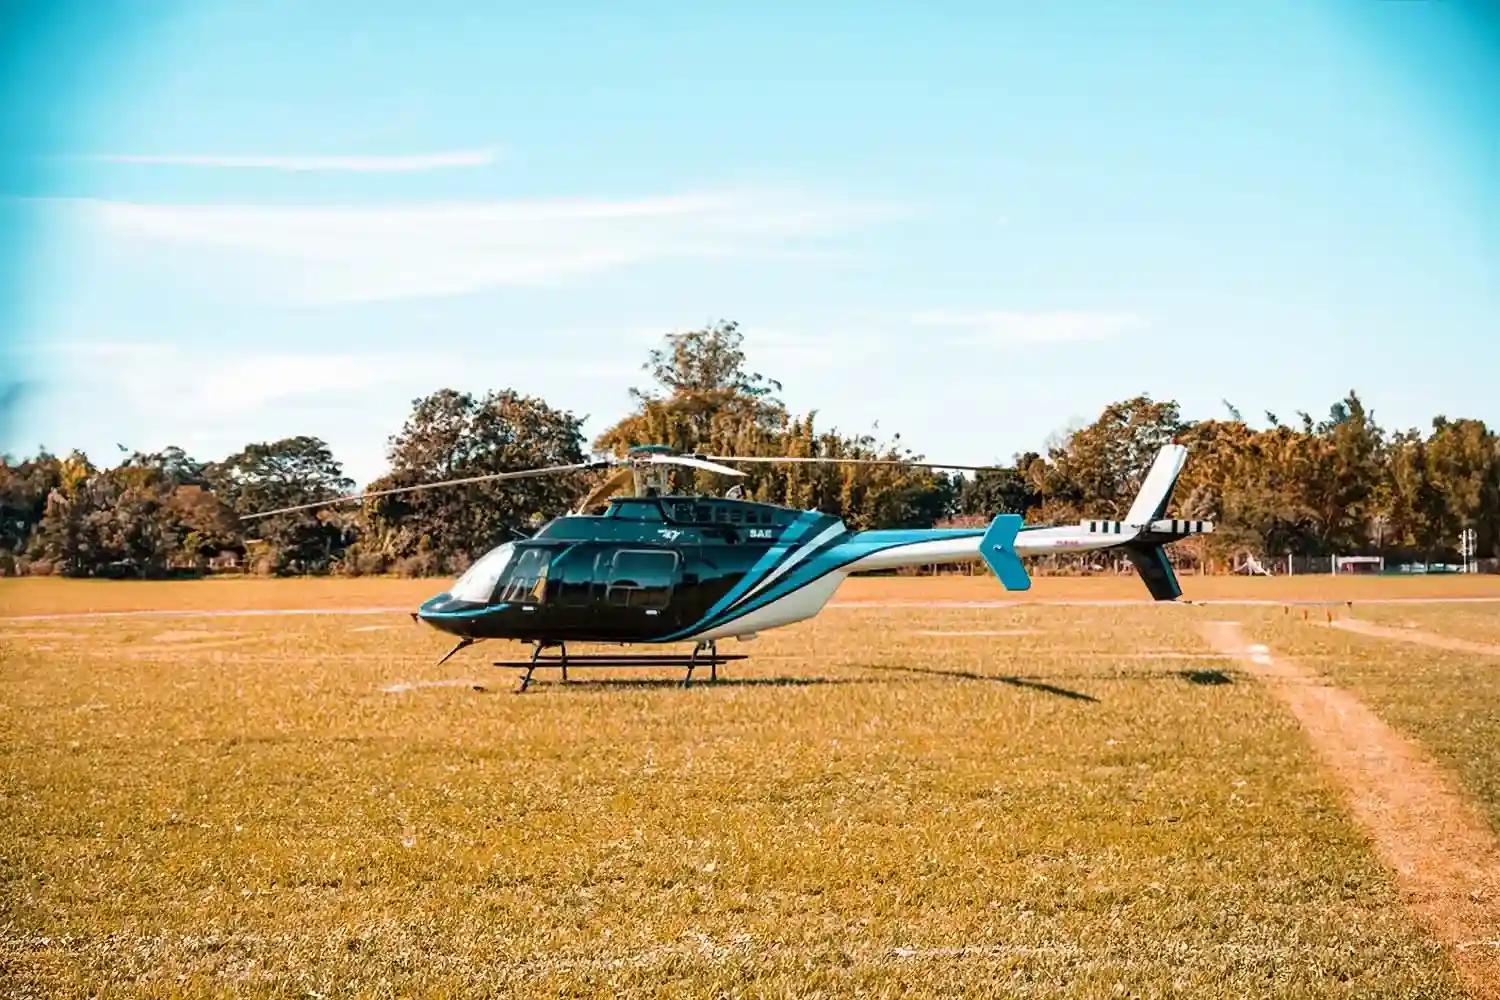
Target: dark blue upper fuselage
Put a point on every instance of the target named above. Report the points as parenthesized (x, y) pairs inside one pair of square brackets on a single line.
[(648, 569)]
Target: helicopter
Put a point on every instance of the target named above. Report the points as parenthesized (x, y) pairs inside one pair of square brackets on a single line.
[(656, 568)]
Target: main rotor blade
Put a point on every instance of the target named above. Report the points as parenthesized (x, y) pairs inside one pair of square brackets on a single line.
[(695, 462), (488, 478), (816, 460)]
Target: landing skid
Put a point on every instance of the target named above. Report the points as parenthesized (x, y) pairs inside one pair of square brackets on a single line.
[(704, 654)]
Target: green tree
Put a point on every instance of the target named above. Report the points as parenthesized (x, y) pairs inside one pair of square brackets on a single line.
[(1342, 475), (703, 400), (454, 435), (1439, 486), (706, 400), (24, 488), (285, 473), (1096, 470), (1000, 491), (706, 361), (1415, 507), (139, 519)]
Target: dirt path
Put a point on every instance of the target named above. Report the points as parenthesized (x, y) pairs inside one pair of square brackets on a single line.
[(1445, 856), (1417, 636)]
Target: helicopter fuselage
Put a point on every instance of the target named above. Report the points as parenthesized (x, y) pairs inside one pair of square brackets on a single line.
[(655, 569)]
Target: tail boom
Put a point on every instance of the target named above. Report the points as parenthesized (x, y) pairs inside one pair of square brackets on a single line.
[(1143, 535)]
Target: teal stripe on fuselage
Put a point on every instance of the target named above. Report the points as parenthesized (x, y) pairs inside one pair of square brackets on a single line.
[(479, 612), (784, 547), (835, 555)]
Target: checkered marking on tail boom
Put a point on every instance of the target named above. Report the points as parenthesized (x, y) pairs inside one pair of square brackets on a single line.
[(1165, 526), (1176, 526)]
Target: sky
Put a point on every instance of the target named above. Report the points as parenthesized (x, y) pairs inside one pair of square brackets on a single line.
[(969, 225)]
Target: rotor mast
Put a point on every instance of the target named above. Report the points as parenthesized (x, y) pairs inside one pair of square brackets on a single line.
[(649, 475)]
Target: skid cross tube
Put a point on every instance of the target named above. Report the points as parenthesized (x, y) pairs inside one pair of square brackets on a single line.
[(705, 654), (536, 661), (712, 648)]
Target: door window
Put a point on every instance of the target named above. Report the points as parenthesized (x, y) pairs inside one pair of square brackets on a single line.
[(641, 578), (574, 573)]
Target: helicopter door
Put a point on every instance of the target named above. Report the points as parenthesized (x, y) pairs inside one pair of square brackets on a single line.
[(578, 590), (638, 587)]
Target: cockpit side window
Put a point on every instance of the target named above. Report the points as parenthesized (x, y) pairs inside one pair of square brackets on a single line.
[(526, 583)]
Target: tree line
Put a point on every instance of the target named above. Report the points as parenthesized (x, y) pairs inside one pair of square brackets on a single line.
[(1311, 487)]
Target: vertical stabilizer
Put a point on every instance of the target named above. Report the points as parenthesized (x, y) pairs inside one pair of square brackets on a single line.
[(1156, 489)]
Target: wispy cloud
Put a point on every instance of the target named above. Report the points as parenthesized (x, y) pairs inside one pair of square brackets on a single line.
[(996, 326), (392, 164), (196, 386), (369, 253), (212, 398), (788, 351)]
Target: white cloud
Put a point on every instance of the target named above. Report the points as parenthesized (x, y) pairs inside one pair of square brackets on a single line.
[(784, 353), (373, 253), (1000, 327), (196, 387), (213, 400), (396, 164)]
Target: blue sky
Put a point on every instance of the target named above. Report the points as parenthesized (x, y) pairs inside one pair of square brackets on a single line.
[(972, 225)]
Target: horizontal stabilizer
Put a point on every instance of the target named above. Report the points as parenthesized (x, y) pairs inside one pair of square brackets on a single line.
[(998, 549)]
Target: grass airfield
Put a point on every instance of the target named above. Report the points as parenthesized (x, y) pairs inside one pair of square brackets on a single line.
[(1023, 800)]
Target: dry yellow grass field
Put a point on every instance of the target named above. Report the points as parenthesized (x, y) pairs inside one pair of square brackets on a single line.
[(1019, 801), (1478, 623), (50, 595)]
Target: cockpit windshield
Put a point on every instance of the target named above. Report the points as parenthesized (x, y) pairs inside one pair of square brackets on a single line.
[(507, 574), (479, 580)]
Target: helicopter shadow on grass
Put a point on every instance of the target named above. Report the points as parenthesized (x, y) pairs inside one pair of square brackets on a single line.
[(969, 675), (556, 684), (1206, 678), (1198, 678)]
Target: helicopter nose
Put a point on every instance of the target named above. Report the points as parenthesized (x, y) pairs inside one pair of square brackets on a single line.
[(441, 612)]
